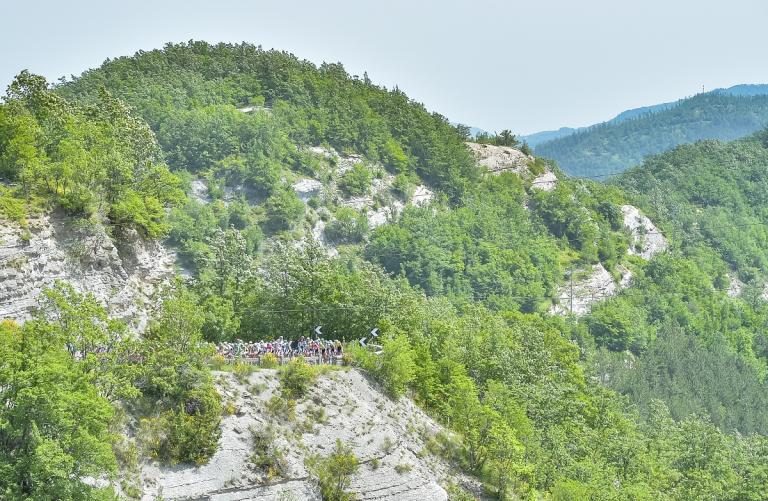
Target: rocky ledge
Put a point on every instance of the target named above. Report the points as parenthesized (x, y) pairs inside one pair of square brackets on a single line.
[(124, 273)]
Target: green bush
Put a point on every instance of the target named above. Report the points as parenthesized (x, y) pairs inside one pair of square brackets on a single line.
[(266, 456), (269, 361), (12, 208), (349, 226), (296, 377), (283, 408), (283, 209), (396, 365), (403, 468), (404, 185), (193, 430), (242, 371), (356, 181), (146, 213), (333, 473)]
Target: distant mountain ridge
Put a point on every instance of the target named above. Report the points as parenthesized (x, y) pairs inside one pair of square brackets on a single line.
[(538, 138), (625, 140)]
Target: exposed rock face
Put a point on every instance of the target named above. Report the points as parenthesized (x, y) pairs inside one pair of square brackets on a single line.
[(383, 215), (735, 286), (307, 188), (499, 159), (125, 278), (422, 196), (383, 435), (647, 240), (545, 182), (199, 191), (597, 283)]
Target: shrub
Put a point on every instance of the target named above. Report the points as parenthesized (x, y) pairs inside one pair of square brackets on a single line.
[(333, 473), (403, 468), (570, 490), (456, 493), (12, 208), (284, 209), (393, 156), (242, 371), (189, 434), (218, 362), (387, 445), (193, 430), (269, 361), (404, 185), (356, 181), (145, 213), (282, 408), (397, 366), (266, 456), (296, 378), (348, 227)]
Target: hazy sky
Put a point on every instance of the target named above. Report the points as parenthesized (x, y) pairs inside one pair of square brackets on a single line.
[(524, 65)]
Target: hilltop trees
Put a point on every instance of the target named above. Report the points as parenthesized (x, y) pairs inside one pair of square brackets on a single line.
[(503, 138), (189, 93), (94, 159)]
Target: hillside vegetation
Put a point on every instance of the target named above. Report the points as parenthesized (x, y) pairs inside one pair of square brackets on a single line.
[(614, 146), (709, 197), (611, 405)]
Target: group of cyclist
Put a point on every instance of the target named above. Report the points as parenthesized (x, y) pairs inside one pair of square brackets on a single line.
[(319, 350)]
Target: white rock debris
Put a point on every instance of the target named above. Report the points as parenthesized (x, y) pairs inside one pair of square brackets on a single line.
[(422, 196), (588, 288), (307, 188), (735, 286), (199, 191), (385, 214), (647, 240), (546, 181), (251, 109), (382, 433)]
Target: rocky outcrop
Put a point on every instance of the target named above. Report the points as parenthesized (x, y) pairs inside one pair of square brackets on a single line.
[(546, 181), (587, 287), (647, 239), (596, 284), (125, 278), (198, 191), (736, 286), (422, 196), (498, 159), (307, 188), (388, 437)]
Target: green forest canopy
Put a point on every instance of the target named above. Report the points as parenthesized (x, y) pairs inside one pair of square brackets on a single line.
[(609, 148), (459, 289)]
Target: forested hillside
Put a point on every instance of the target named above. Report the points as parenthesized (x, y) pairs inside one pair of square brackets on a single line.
[(538, 138), (235, 155), (614, 146)]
